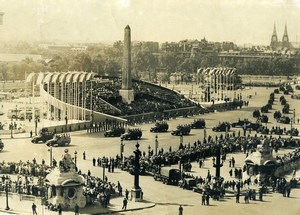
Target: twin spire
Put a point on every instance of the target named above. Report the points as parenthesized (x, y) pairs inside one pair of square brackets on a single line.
[(274, 39)]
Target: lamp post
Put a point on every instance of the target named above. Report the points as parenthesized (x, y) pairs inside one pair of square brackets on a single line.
[(6, 192), (75, 158), (50, 151), (181, 138), (11, 128), (66, 119), (156, 144), (121, 149), (103, 172), (149, 151), (217, 161), (294, 116), (35, 128)]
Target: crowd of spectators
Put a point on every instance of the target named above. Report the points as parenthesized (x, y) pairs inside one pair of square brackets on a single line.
[(148, 98)]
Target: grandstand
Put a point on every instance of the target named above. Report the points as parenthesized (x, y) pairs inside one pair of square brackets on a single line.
[(84, 96)]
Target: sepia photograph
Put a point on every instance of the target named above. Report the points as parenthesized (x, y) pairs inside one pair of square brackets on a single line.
[(149, 107)]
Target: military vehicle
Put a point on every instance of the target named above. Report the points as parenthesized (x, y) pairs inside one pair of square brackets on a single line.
[(59, 140), (293, 132), (240, 123), (222, 127), (1, 145), (168, 175), (132, 134), (114, 132), (160, 127), (43, 136), (181, 130), (284, 120), (198, 124)]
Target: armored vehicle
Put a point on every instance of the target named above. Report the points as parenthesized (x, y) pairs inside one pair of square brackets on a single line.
[(222, 127), (181, 130), (43, 136), (132, 134), (160, 127), (114, 132), (199, 123), (59, 140)]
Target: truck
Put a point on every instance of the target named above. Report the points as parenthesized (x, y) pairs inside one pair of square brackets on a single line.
[(114, 132), (59, 140), (160, 127), (198, 124), (132, 134), (168, 175), (181, 130)]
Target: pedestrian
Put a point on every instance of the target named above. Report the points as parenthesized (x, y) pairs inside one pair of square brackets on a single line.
[(94, 161), (59, 209), (126, 194), (233, 162), (203, 199), (207, 199), (237, 197), (76, 209), (124, 204), (230, 172), (34, 209), (180, 210), (30, 134), (84, 155)]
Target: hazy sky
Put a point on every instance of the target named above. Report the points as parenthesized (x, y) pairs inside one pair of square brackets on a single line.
[(240, 21)]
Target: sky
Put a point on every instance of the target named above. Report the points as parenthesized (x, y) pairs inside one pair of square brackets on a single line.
[(239, 21)]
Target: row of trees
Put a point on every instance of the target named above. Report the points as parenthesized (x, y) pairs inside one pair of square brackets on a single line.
[(107, 60)]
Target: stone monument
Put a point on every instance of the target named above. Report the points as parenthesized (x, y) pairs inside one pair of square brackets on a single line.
[(260, 164), (65, 185), (126, 91)]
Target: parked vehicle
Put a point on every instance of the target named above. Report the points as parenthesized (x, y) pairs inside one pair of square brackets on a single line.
[(114, 132), (59, 140), (198, 124), (188, 183), (160, 127), (132, 134), (168, 175), (222, 127)]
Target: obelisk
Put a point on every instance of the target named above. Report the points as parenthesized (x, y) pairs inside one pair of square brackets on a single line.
[(126, 91)]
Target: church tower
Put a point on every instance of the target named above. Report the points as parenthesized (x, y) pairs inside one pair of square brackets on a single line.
[(285, 39), (274, 39)]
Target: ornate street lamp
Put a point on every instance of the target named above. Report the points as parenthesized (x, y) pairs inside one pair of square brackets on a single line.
[(122, 149), (50, 151), (11, 128), (75, 158), (217, 161), (36, 124), (6, 192), (156, 144)]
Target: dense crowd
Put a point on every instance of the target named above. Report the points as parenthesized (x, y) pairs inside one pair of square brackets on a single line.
[(148, 98)]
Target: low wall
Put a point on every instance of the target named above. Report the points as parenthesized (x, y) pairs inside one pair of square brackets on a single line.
[(69, 127)]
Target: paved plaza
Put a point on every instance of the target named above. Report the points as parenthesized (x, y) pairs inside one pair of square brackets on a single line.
[(159, 198)]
